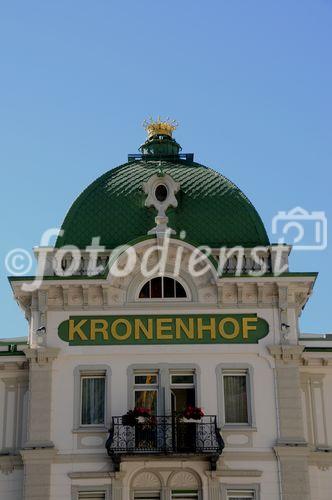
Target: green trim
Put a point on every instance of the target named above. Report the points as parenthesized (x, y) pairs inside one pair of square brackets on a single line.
[(12, 353), (272, 275), (327, 338), (318, 349), (211, 258), (50, 278)]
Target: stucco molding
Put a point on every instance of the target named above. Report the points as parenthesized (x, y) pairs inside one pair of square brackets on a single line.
[(147, 479), (68, 458), (286, 353), (91, 475), (228, 472), (39, 455), (13, 366), (248, 456), (292, 451), (8, 463), (41, 355), (321, 459), (184, 478)]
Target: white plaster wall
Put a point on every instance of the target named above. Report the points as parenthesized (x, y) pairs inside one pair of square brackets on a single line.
[(63, 386), (2, 412), (320, 483), (61, 483), (207, 357), (269, 486), (11, 485)]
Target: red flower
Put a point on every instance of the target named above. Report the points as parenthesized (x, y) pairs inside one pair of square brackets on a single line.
[(193, 412)]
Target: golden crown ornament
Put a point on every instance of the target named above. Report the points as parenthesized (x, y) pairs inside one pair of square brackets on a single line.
[(159, 126)]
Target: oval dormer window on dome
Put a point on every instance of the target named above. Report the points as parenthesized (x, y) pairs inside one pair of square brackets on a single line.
[(161, 192), (162, 287)]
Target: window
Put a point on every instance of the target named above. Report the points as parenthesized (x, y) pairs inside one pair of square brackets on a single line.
[(146, 495), (182, 378), (146, 390), (235, 395), (164, 389), (91, 495), (182, 390), (241, 495), (161, 192), (185, 494), (162, 287), (79, 492), (93, 399)]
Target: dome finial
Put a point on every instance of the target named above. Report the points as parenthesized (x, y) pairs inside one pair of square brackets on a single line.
[(159, 126)]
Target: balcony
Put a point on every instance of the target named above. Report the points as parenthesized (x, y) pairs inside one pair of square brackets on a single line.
[(165, 435)]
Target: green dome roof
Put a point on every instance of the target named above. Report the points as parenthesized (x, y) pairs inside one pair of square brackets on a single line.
[(211, 209)]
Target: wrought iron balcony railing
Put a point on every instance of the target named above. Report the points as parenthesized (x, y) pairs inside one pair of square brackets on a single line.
[(164, 435)]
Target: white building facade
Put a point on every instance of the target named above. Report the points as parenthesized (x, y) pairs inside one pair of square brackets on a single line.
[(105, 397)]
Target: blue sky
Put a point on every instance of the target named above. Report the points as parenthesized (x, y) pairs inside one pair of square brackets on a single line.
[(249, 81)]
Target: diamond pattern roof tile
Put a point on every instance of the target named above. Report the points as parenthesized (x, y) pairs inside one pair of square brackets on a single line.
[(211, 209)]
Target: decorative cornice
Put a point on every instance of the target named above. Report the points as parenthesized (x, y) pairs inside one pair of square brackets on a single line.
[(65, 458), (248, 456), (41, 355), (91, 475), (286, 353), (316, 359), (227, 472), (322, 459), (39, 455), (13, 366), (288, 451)]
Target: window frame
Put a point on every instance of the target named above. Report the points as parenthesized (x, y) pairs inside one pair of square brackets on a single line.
[(153, 494), (165, 370), (227, 488), (163, 299), (76, 490), (145, 387), (182, 385), (190, 494), (243, 374), (90, 376), (86, 371), (227, 369)]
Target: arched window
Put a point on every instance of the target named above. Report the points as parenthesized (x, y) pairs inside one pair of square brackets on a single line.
[(162, 287)]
